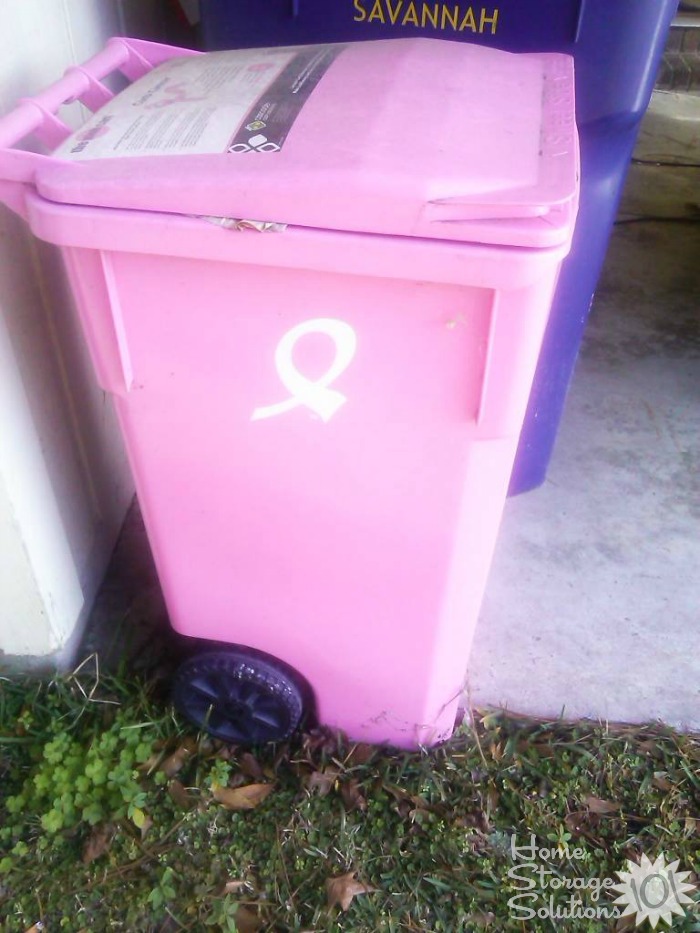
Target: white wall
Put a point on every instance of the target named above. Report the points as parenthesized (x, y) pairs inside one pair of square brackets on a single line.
[(64, 482)]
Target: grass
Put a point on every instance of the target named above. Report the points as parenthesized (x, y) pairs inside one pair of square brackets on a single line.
[(114, 816)]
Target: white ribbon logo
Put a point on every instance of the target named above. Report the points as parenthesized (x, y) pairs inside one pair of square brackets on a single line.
[(315, 395)]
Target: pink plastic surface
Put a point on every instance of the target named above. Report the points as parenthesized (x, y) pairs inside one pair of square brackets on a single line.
[(321, 427), (357, 548), (37, 116), (405, 136)]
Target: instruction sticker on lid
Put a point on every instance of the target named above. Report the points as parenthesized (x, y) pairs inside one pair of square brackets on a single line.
[(239, 101)]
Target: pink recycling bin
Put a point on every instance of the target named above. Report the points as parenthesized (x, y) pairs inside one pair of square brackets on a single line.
[(315, 282)]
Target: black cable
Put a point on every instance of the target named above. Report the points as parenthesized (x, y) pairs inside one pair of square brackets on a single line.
[(658, 164), (649, 219)]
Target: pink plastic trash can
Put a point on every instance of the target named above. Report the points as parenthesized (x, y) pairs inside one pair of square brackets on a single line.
[(315, 282)]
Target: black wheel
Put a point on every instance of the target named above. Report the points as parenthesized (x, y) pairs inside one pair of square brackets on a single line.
[(238, 696)]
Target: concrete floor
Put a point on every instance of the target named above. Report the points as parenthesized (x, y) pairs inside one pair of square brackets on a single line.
[(593, 605)]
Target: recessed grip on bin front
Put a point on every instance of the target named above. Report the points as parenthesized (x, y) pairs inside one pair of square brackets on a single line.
[(36, 116)]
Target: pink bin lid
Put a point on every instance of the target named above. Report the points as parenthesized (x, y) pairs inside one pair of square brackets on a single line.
[(412, 137)]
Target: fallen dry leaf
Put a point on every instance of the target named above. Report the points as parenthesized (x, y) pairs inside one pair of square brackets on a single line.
[(250, 766), (353, 798), (146, 825), (175, 762), (151, 763), (601, 807), (322, 781), (360, 754), (241, 798), (631, 854), (247, 921), (661, 781), (341, 890), (98, 842), (235, 886), (398, 793), (141, 819), (404, 808), (224, 752), (238, 780), (692, 825), (320, 742), (583, 823), (575, 821), (542, 748), (496, 751), (180, 794)]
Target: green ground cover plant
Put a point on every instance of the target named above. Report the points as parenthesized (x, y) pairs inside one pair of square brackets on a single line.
[(114, 815)]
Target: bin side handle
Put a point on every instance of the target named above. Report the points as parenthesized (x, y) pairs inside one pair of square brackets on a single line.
[(37, 115), (115, 307), (516, 328)]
